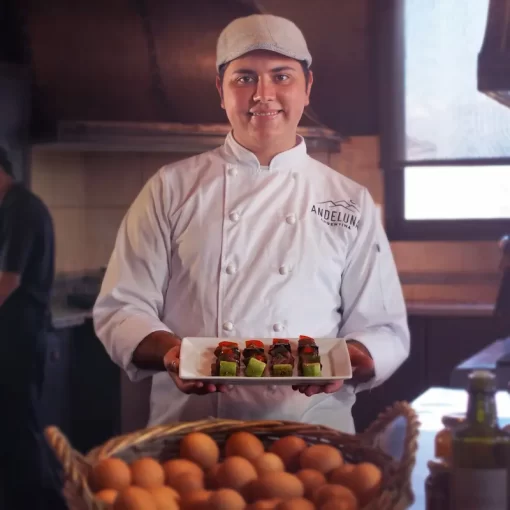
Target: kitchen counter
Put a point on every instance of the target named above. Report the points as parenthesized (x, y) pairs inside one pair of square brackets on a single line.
[(444, 309), (65, 316), (68, 317)]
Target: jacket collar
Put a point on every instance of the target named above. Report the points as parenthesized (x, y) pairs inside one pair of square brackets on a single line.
[(240, 156)]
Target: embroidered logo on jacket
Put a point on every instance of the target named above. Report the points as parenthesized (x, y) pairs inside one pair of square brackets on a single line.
[(342, 213)]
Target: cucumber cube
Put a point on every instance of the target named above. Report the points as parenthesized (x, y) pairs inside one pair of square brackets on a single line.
[(282, 370), (228, 368), (312, 370), (255, 368)]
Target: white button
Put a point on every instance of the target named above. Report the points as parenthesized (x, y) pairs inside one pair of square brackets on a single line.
[(272, 388), (231, 269), (277, 327), (291, 219), (234, 216), (232, 172), (228, 326), (283, 270)]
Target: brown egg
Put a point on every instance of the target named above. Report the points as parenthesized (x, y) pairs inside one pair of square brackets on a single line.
[(147, 473), (166, 491), (210, 480), (200, 449), (226, 499), (339, 504), (340, 474), (110, 473), (235, 473), (363, 479), (175, 467), (107, 495), (321, 457), (274, 485), (195, 501), (268, 463), (134, 498), (289, 449), (165, 498), (296, 504), (187, 483), (264, 504), (250, 491), (244, 444), (311, 480), (327, 492)]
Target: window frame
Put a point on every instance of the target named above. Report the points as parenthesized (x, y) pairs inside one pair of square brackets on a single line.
[(392, 147)]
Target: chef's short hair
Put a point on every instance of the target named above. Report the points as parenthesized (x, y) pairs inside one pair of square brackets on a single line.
[(5, 162)]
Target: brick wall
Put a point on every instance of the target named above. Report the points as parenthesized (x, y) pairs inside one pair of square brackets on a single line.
[(89, 193)]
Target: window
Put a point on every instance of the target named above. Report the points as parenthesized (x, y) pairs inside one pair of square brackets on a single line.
[(445, 145), (479, 192)]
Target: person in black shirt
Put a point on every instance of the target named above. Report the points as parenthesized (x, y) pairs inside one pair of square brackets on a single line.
[(27, 468)]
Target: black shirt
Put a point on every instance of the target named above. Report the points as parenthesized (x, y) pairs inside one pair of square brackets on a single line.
[(27, 247)]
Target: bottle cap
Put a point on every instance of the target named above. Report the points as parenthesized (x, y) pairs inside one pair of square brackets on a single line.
[(453, 420), (438, 467), (482, 380)]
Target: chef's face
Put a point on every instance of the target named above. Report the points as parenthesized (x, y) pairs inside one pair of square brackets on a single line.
[(264, 95)]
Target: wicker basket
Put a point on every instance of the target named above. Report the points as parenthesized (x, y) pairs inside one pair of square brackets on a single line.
[(390, 442)]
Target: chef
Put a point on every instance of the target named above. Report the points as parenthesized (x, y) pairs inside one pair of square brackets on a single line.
[(253, 239)]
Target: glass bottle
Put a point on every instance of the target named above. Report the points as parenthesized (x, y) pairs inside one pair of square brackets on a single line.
[(443, 439), (437, 484), (480, 459)]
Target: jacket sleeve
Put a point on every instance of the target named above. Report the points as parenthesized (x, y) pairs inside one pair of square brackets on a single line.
[(373, 307), (131, 301)]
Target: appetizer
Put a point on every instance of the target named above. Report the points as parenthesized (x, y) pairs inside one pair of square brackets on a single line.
[(282, 361), (228, 360), (254, 359), (226, 345), (309, 363)]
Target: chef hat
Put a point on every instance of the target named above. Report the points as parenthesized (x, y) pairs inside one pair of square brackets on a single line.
[(261, 32)]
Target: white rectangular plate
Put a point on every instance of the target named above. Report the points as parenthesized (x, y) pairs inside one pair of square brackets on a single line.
[(197, 355)]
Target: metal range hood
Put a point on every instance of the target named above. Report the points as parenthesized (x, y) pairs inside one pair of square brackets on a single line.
[(494, 57), (163, 137), (133, 75)]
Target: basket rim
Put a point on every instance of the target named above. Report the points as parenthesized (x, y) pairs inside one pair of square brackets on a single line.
[(216, 426), (70, 459)]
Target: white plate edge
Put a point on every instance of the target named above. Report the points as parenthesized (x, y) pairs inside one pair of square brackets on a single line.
[(260, 380)]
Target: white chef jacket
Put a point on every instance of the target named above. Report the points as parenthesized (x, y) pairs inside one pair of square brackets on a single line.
[(218, 246)]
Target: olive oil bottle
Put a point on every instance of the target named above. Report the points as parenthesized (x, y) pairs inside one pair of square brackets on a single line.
[(480, 452)]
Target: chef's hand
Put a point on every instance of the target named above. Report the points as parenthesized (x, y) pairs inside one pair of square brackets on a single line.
[(171, 362), (362, 371)]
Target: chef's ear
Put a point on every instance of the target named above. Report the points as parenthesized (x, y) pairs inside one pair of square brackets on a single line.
[(219, 87), (309, 83)]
